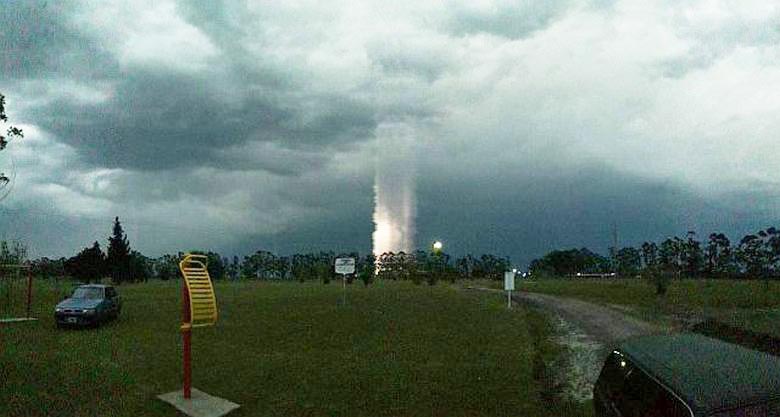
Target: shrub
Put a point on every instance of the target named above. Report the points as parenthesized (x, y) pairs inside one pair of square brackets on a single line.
[(431, 278), (659, 278), (366, 275)]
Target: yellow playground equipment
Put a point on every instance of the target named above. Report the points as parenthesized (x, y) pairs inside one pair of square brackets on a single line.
[(199, 293), (198, 308)]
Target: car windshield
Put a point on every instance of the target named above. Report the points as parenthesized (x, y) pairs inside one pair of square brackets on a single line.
[(88, 293)]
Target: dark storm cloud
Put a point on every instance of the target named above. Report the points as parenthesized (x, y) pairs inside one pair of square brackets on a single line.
[(342, 225), (157, 121), (37, 42), (525, 217)]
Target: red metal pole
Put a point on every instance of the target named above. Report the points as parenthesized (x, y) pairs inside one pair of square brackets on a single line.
[(29, 290), (186, 333)]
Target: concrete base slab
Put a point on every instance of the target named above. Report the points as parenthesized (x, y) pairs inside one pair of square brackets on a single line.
[(17, 320), (200, 405)]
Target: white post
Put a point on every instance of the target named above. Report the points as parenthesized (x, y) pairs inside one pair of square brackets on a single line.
[(344, 289), (509, 285), (344, 266)]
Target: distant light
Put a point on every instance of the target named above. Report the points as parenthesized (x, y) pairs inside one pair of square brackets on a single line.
[(524, 275), (514, 271), (579, 274), (437, 245), (622, 364)]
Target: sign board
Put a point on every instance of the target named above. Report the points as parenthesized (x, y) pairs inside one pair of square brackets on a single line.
[(345, 266), (509, 281)]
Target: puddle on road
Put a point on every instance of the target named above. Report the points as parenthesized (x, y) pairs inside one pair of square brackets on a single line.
[(581, 364)]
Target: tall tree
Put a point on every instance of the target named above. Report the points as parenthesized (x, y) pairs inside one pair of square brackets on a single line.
[(235, 268), (215, 264), (10, 133), (48, 268), (629, 261), (140, 267), (718, 254), (670, 254), (772, 244), (650, 254), (692, 255), (260, 265), (167, 267), (570, 262), (118, 261), (13, 253), (465, 266), (752, 256), (367, 268), (89, 265)]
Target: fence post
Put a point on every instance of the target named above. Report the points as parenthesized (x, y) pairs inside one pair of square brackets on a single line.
[(29, 290)]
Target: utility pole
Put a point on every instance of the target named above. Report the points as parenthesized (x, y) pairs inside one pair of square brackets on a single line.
[(614, 247)]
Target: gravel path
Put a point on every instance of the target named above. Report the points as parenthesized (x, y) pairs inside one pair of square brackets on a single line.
[(602, 323)]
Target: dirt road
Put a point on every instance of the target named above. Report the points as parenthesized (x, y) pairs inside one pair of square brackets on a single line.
[(602, 323), (588, 331)]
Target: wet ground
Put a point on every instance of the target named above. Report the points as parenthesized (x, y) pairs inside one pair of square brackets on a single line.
[(588, 331), (582, 364)]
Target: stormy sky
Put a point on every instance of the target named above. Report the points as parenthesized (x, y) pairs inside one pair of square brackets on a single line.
[(242, 125)]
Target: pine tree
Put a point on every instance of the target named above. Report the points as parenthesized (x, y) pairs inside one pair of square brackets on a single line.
[(118, 261)]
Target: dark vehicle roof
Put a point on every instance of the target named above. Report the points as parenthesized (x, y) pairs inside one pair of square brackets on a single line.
[(708, 374)]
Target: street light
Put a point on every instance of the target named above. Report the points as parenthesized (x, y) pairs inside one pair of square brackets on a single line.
[(437, 246)]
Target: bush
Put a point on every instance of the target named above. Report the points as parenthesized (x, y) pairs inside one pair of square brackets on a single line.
[(323, 272), (659, 278), (366, 275), (431, 278)]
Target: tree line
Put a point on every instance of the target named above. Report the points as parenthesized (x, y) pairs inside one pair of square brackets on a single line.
[(121, 264), (756, 255)]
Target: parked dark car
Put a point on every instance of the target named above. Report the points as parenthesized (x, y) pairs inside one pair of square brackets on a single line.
[(88, 305), (687, 375)]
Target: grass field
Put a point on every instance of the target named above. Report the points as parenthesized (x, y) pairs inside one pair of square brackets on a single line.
[(753, 305), (289, 349)]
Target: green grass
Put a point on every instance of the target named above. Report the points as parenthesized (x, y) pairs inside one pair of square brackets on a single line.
[(288, 349), (749, 304)]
